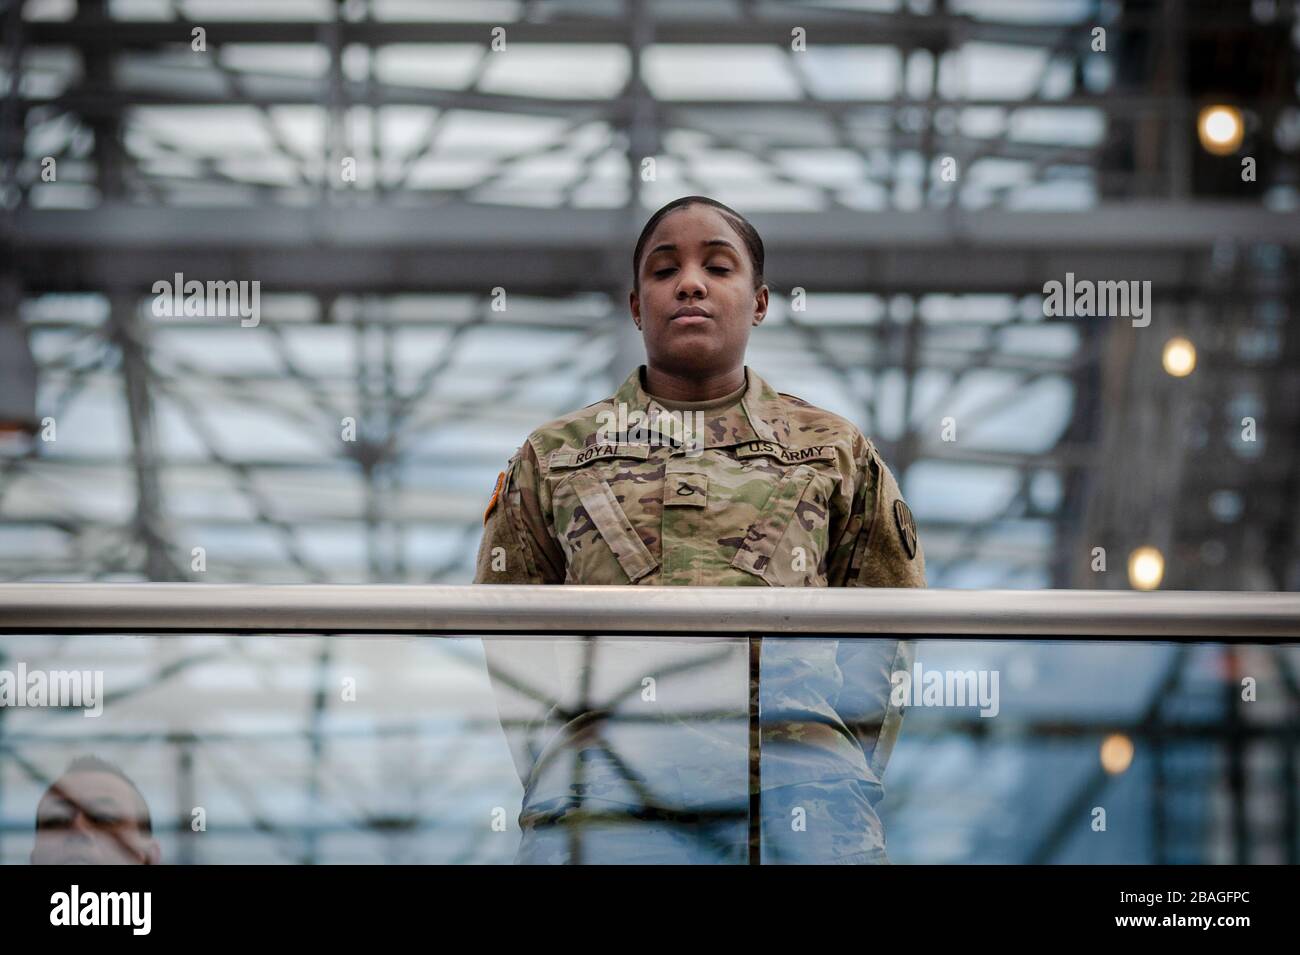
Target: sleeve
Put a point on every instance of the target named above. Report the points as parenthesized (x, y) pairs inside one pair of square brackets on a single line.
[(879, 548), (517, 547)]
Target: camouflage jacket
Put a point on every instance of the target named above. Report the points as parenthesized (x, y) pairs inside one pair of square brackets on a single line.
[(770, 491)]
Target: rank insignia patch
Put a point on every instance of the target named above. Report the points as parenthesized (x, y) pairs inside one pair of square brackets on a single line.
[(906, 527)]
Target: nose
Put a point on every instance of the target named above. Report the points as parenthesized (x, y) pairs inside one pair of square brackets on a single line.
[(691, 283)]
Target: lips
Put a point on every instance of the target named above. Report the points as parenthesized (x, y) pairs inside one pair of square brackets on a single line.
[(691, 315), (690, 321)]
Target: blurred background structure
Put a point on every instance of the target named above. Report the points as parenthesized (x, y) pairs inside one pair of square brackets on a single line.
[(439, 200)]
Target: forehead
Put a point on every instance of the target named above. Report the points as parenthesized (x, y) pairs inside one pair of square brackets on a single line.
[(91, 790), (692, 226)]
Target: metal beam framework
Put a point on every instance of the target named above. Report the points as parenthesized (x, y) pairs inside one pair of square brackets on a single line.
[(393, 239), (560, 252), (1140, 458)]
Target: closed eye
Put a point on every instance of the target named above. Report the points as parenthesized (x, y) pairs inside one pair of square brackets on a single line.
[(712, 268)]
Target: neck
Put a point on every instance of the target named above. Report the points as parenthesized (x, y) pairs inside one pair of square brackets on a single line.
[(679, 387)]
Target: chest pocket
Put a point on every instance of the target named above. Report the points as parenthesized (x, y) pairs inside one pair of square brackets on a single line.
[(591, 524), (786, 545)]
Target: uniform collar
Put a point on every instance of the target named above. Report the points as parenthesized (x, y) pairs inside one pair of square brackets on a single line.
[(759, 415)]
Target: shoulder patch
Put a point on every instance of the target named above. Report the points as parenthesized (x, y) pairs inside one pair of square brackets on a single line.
[(906, 527), (496, 496)]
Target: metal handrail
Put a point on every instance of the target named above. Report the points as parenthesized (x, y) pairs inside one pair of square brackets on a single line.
[(630, 611)]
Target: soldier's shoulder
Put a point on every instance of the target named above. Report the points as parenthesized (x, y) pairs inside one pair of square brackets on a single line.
[(573, 430), (810, 424)]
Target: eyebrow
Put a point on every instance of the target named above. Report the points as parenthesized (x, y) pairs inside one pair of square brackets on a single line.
[(670, 247)]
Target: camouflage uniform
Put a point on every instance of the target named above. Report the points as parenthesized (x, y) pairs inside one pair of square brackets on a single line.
[(780, 494)]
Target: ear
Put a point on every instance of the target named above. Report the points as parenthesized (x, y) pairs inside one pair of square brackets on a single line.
[(634, 305), (760, 304)]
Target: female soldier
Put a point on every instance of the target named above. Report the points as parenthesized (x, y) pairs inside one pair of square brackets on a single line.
[(697, 472)]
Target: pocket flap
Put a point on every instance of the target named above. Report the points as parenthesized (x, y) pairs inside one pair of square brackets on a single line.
[(605, 512), (764, 534)]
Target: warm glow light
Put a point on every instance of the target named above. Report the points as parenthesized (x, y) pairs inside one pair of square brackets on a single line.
[(1146, 568), (1179, 357), (1116, 753), (1221, 129)]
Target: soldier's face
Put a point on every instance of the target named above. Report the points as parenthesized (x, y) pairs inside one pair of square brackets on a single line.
[(694, 259), (92, 818)]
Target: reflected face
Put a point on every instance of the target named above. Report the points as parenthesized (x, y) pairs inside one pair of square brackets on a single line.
[(92, 818), (695, 260)]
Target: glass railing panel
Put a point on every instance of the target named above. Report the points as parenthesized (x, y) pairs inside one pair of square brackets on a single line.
[(689, 748)]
